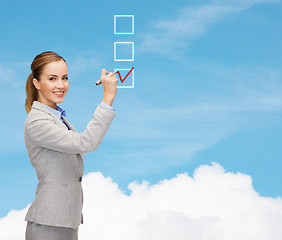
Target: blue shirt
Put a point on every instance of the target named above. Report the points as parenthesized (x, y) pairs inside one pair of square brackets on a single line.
[(59, 112)]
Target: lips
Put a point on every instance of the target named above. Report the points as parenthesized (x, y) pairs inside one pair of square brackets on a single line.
[(59, 93)]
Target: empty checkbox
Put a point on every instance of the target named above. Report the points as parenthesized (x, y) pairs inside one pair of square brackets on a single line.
[(124, 51), (123, 24)]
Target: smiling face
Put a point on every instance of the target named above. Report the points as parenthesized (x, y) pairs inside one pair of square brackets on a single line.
[(53, 84)]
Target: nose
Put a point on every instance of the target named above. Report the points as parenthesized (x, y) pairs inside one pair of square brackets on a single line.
[(60, 84)]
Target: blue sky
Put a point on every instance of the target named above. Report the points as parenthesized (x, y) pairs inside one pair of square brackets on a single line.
[(208, 85)]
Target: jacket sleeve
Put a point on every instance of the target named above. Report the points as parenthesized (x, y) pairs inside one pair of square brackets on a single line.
[(42, 130)]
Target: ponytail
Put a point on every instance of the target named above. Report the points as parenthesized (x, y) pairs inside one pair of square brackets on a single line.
[(31, 93)]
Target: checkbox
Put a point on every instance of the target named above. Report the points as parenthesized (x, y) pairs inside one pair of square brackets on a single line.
[(129, 81), (123, 24), (123, 51)]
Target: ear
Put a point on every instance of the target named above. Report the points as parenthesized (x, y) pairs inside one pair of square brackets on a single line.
[(36, 83)]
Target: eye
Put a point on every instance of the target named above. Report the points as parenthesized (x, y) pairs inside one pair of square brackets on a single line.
[(66, 78), (52, 78)]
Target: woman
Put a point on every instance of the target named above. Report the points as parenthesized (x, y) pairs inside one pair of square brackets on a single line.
[(56, 150)]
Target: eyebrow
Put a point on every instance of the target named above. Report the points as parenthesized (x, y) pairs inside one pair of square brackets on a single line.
[(56, 75)]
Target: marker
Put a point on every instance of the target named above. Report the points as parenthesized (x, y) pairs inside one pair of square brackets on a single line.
[(99, 81)]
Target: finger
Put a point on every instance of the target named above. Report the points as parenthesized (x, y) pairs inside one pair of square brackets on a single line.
[(111, 74), (104, 72)]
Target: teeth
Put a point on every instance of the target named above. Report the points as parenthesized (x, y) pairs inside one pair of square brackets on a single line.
[(59, 93)]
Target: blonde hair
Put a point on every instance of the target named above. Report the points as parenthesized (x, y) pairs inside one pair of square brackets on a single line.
[(37, 65)]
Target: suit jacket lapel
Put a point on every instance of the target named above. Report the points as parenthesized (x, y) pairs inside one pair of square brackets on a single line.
[(37, 105), (68, 124)]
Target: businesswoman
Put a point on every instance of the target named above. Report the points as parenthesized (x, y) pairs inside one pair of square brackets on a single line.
[(56, 150)]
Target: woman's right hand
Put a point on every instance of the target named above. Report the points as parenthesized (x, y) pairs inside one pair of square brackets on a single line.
[(109, 82)]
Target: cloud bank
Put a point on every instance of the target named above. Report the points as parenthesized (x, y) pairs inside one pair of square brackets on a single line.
[(175, 32), (212, 204)]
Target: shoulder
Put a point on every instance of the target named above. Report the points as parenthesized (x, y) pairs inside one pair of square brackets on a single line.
[(36, 114), (38, 110)]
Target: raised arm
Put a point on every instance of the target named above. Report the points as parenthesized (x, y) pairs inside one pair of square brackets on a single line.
[(42, 130)]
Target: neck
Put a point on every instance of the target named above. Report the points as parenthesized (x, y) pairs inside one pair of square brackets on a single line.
[(49, 104)]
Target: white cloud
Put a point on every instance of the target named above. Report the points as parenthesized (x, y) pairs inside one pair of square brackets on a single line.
[(212, 204), (169, 35), (242, 4), (13, 226)]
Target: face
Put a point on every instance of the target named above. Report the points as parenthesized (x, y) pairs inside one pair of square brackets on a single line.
[(53, 84)]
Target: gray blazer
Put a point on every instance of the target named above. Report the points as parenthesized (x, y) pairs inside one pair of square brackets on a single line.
[(57, 154)]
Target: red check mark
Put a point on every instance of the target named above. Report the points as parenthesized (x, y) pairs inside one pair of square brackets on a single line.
[(122, 80)]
